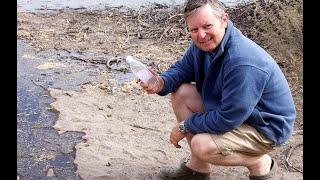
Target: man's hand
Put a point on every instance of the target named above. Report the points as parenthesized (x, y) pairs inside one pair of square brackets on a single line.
[(176, 136), (154, 85)]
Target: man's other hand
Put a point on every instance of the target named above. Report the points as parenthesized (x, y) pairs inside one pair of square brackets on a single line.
[(176, 136)]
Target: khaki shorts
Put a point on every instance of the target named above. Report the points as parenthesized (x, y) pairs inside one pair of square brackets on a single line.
[(244, 140)]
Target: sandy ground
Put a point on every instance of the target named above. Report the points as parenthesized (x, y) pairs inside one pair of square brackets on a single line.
[(127, 134)]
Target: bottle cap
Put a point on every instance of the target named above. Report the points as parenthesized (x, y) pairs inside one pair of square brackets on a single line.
[(129, 59)]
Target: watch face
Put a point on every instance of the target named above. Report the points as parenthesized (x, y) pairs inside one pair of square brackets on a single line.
[(182, 128)]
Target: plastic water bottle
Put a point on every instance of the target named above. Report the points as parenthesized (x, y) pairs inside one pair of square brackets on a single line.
[(141, 72)]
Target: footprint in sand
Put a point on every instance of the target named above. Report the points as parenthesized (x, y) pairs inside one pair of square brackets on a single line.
[(160, 156)]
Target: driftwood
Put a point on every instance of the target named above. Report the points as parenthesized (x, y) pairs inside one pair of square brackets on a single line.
[(142, 127), (291, 149)]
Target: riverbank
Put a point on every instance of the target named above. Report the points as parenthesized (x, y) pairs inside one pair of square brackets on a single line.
[(126, 130)]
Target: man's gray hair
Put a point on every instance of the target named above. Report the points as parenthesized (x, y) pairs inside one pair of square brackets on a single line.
[(192, 5)]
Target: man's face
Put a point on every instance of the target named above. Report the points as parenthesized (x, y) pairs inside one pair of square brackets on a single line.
[(206, 28)]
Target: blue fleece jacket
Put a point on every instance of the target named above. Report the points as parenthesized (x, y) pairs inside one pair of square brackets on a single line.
[(243, 84)]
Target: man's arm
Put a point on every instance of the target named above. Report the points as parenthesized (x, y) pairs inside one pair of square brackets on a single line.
[(180, 72)]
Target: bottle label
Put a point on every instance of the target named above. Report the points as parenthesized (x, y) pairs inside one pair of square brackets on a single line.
[(144, 75)]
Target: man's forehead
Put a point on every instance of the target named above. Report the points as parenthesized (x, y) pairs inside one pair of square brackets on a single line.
[(205, 8), (202, 16)]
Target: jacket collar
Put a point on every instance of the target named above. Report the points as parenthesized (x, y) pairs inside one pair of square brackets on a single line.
[(225, 39)]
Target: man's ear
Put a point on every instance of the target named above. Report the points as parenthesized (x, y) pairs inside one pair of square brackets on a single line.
[(225, 19)]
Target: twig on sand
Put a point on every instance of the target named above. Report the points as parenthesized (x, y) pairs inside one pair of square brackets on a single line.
[(288, 157), (164, 32), (175, 15), (298, 132), (38, 84), (146, 128)]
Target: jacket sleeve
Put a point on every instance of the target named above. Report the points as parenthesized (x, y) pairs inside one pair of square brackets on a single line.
[(241, 90), (180, 72)]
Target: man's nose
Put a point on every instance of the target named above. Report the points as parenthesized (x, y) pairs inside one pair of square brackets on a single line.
[(201, 33)]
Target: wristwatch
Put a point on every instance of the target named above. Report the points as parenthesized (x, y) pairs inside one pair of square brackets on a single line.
[(182, 127)]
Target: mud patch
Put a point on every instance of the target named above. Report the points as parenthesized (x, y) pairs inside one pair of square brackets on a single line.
[(39, 146)]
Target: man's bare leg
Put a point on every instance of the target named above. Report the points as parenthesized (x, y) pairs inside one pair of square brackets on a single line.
[(186, 101), (204, 152), (205, 149)]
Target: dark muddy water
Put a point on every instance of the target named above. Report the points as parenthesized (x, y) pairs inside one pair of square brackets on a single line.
[(34, 5), (40, 149)]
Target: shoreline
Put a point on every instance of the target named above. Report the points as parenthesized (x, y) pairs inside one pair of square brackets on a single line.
[(126, 131)]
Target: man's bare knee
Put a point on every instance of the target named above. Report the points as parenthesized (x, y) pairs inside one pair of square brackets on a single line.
[(188, 95), (203, 146), (186, 101), (183, 92)]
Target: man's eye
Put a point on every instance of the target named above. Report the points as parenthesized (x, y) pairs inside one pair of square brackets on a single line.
[(208, 26), (193, 30)]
